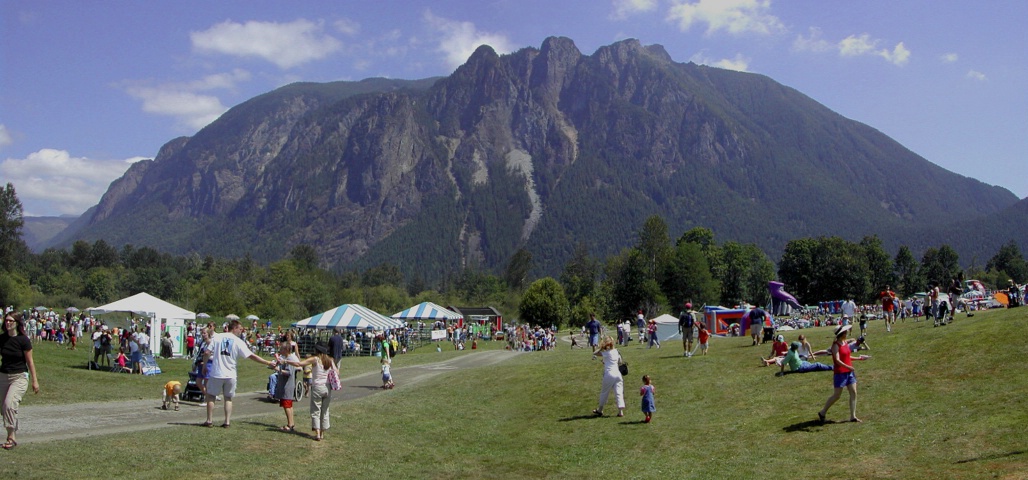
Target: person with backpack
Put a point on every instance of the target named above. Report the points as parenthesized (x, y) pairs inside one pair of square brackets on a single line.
[(686, 322)]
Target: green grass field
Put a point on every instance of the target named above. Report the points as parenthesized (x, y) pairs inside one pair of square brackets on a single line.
[(937, 403)]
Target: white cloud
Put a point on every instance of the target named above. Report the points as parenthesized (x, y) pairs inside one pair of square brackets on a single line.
[(5, 136), (458, 40), (624, 8), (949, 58), (853, 46), (191, 109), (347, 27), (733, 16), (52, 182), (812, 43), (739, 63), (976, 75), (284, 44), (899, 55)]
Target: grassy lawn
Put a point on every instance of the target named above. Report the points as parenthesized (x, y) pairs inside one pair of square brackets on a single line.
[(937, 403)]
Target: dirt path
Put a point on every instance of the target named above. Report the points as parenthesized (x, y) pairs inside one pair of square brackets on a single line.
[(84, 420)]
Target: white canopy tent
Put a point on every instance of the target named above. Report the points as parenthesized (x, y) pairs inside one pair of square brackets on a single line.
[(428, 311), (157, 310), (667, 327), (350, 316)]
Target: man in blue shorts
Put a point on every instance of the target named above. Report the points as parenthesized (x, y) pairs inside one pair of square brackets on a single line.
[(593, 329)]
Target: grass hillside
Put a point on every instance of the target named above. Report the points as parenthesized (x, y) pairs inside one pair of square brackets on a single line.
[(937, 403)]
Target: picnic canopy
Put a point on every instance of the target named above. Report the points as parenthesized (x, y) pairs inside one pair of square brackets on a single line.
[(146, 305), (428, 311), (350, 316)]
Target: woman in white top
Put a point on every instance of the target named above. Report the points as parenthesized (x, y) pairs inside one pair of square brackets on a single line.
[(611, 377), (321, 395)]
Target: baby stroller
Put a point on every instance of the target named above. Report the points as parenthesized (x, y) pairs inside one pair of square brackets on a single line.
[(193, 390)]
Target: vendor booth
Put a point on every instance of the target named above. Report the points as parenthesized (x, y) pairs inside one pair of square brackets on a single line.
[(157, 312)]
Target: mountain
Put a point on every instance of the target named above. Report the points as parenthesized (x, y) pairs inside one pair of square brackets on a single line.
[(38, 231), (540, 149)]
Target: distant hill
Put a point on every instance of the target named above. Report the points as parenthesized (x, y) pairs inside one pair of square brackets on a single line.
[(39, 231), (540, 149)]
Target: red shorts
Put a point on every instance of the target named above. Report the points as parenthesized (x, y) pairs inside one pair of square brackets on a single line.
[(285, 403), (888, 307)]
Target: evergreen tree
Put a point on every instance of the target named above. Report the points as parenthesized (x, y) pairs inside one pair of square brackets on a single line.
[(516, 273), (909, 280), (580, 274), (11, 222)]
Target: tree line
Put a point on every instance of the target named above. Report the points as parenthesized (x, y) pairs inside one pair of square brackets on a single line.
[(656, 275)]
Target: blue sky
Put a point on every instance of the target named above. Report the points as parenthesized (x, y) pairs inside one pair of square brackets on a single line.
[(86, 88)]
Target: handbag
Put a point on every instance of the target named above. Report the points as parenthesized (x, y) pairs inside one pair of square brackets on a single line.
[(334, 383), (622, 366)]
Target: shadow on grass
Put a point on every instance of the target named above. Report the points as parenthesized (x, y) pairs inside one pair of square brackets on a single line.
[(806, 426), (634, 422), (992, 457), (579, 417)]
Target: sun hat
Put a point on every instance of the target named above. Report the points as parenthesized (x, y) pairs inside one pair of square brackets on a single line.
[(842, 329), (795, 345)]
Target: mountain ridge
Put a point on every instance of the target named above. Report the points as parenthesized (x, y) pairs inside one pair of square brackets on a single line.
[(538, 149)]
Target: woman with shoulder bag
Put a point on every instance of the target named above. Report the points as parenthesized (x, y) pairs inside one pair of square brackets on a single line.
[(321, 394), (612, 378)]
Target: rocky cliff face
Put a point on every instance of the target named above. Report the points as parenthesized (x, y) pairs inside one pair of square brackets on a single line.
[(541, 149)]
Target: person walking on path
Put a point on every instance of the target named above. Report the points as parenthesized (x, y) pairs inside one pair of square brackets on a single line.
[(335, 347), (321, 395), (845, 375), (285, 385), (223, 350), (612, 379), (15, 362)]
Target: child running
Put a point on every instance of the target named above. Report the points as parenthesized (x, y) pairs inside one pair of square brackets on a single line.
[(646, 392)]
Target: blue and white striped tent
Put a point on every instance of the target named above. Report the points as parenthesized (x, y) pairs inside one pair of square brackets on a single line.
[(350, 316), (428, 311)]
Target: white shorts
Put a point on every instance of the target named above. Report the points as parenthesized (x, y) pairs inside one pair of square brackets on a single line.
[(225, 387)]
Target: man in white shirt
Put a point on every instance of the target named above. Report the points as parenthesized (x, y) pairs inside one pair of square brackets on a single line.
[(849, 308), (223, 350)]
